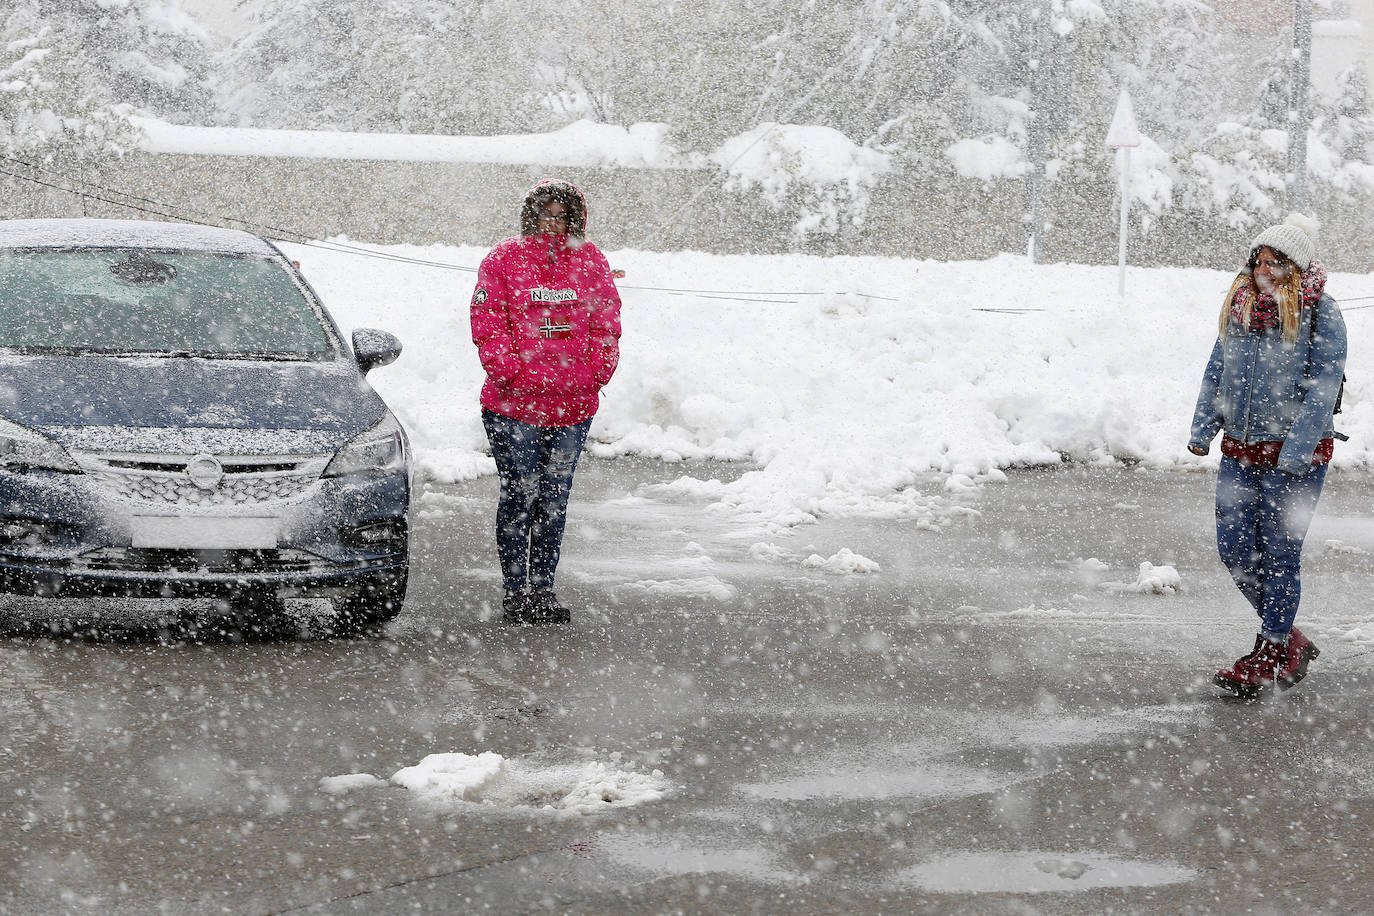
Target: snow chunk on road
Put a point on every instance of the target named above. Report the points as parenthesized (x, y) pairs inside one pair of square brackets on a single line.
[(593, 786), (844, 563), (1153, 580), (491, 780), (451, 776)]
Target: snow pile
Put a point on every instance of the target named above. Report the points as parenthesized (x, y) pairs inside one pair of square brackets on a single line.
[(844, 563), (490, 779), (451, 777), (1152, 580), (848, 382)]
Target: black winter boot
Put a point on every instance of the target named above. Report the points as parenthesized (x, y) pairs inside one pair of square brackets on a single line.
[(517, 608), (545, 607)]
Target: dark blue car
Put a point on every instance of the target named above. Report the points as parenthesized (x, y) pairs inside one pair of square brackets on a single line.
[(180, 417)]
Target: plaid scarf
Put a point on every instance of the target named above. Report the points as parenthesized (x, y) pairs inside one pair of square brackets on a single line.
[(1264, 308)]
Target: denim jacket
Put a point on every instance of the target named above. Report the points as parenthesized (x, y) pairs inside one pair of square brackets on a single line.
[(1259, 388)]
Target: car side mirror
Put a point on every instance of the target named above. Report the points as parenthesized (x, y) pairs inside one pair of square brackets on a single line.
[(373, 348)]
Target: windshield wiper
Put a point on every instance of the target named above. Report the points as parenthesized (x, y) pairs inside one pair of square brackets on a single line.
[(313, 356), (217, 354)]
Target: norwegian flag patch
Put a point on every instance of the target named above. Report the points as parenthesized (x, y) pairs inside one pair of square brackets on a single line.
[(555, 327)]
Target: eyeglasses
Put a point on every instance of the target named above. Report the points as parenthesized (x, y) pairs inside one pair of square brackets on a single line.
[(1274, 266), (545, 214)]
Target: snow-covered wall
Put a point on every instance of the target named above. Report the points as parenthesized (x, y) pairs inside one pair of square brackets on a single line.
[(777, 189)]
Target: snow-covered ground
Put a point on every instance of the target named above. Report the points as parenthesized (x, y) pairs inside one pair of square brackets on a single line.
[(848, 382)]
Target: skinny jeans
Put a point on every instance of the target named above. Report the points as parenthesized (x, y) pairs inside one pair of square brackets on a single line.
[(535, 465), (1262, 519)]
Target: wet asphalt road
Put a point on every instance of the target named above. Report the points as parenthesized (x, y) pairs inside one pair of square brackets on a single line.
[(987, 723)]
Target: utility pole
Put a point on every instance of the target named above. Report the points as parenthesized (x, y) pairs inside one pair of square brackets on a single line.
[(1299, 106)]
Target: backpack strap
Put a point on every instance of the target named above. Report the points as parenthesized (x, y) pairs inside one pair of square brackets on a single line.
[(1311, 337)]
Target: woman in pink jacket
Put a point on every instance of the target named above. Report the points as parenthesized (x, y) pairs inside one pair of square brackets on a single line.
[(546, 321)]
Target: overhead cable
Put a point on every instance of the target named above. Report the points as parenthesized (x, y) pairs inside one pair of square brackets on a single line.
[(297, 237)]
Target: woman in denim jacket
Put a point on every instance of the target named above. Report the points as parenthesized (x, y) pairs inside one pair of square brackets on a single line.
[(1270, 388)]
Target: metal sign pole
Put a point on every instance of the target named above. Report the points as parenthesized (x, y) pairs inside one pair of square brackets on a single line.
[(1123, 156), (1121, 136)]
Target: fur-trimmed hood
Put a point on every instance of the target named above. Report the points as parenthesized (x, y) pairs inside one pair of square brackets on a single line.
[(566, 193)]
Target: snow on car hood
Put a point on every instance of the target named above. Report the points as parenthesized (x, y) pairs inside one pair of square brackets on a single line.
[(81, 400)]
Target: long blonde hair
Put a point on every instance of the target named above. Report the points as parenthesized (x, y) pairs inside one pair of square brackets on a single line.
[(1287, 292)]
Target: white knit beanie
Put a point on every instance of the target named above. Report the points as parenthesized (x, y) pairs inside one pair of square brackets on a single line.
[(1295, 238)]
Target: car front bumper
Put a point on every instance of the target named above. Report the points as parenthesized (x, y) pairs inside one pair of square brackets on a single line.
[(68, 535)]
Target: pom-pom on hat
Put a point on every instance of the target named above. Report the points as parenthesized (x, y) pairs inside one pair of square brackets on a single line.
[(1295, 238)]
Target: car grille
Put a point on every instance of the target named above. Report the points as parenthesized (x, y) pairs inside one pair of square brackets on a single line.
[(233, 492), (141, 559), (163, 480)]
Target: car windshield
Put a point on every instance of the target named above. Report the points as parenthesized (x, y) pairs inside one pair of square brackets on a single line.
[(160, 303)]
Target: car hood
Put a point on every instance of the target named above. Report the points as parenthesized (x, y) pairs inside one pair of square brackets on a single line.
[(71, 397)]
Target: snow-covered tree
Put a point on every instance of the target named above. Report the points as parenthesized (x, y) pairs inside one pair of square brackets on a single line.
[(942, 88), (411, 66), (72, 71), (699, 66), (1345, 124)]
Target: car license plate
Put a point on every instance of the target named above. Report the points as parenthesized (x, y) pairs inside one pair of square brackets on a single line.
[(205, 532)]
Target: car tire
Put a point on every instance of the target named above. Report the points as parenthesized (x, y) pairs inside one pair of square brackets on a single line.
[(376, 602)]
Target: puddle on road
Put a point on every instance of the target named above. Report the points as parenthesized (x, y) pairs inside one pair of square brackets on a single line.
[(915, 770), (881, 782), (658, 856), (1038, 873)]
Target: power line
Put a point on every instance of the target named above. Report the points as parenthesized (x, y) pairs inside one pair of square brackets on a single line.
[(297, 237), (146, 205), (86, 189)]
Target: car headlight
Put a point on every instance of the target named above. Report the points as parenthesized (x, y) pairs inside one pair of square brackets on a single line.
[(21, 447), (381, 448)]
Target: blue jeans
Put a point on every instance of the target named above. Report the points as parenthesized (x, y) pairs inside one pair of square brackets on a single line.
[(1262, 518), (535, 464)]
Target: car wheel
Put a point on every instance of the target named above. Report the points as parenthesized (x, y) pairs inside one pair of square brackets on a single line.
[(376, 602)]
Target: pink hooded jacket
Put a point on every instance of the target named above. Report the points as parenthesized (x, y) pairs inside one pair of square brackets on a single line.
[(546, 319)]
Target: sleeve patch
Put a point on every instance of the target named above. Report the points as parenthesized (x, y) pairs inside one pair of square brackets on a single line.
[(480, 296)]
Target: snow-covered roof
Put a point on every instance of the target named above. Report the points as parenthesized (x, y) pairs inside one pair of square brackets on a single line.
[(66, 233)]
